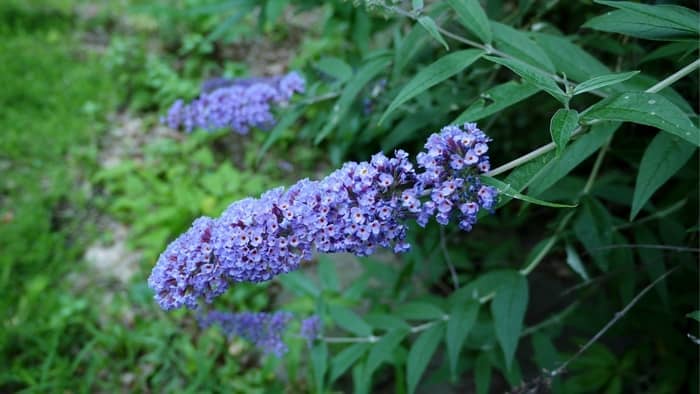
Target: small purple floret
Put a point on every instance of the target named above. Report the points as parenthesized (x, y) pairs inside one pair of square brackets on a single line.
[(311, 329)]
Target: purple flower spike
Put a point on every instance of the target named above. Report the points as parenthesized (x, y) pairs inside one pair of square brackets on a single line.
[(264, 330), (356, 209), (237, 104)]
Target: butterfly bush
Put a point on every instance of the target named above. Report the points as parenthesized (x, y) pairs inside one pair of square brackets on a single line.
[(356, 209), (236, 104), (262, 329)]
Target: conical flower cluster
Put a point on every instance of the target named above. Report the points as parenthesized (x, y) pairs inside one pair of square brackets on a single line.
[(356, 209)]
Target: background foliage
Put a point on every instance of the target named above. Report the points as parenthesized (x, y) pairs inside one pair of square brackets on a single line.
[(487, 311)]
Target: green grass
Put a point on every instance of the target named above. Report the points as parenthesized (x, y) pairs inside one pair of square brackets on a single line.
[(63, 328)]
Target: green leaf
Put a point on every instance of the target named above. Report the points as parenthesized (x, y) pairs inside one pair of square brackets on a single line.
[(299, 283), (694, 315), (673, 50), (335, 67), (419, 311), (677, 16), (574, 154), (420, 354), (650, 109), (383, 349), (600, 81), (519, 45), (360, 381), (327, 274), (563, 123), (496, 99), (575, 263), (569, 58), (387, 322), (509, 191), (429, 25), (482, 373), (365, 74), (462, 318), (594, 229), (482, 287), (350, 321), (508, 309), (345, 359), (533, 75), (319, 363), (408, 48), (406, 129), (443, 68), (525, 174), (243, 8), (473, 18), (646, 25), (417, 5), (546, 354), (664, 156), (652, 260)]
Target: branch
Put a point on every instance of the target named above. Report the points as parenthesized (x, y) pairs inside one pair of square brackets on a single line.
[(545, 379), (618, 316), (551, 146), (373, 339)]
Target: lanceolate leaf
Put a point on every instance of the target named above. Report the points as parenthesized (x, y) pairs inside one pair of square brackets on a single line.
[(518, 44), (482, 373), (510, 191), (574, 154), (345, 359), (508, 309), (430, 76), (694, 315), (413, 43), (672, 15), (569, 58), (383, 350), (462, 318), (664, 156), (419, 311), (405, 129), (350, 321), (429, 25), (319, 363), (335, 68), (639, 25), (496, 99), (365, 74), (420, 354), (563, 123), (602, 81), (283, 125), (651, 109), (574, 261), (328, 274), (473, 17), (594, 229), (533, 75), (652, 260)]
